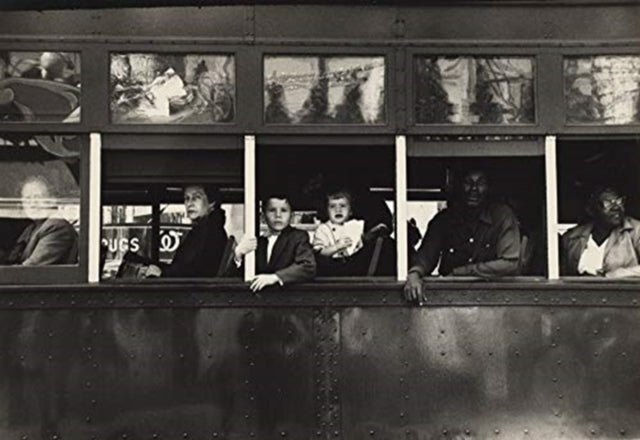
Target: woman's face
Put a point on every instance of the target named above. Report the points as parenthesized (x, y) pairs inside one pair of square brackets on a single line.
[(339, 210), (196, 202), (609, 209)]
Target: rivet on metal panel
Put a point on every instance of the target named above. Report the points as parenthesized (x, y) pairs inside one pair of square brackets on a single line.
[(10, 303), (554, 345), (185, 435), (596, 354), (624, 354), (402, 414), (536, 299), (336, 433), (252, 434), (88, 384), (604, 300), (623, 432), (246, 416), (125, 436), (517, 352), (94, 402), (574, 300), (634, 302), (132, 356), (445, 432), (467, 432), (24, 437), (87, 419), (554, 379), (155, 435), (526, 432), (496, 431), (50, 357), (592, 431)]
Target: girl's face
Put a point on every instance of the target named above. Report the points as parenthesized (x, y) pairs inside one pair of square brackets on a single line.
[(339, 209)]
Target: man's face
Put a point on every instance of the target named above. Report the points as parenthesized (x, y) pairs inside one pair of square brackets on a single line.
[(277, 214), (339, 210), (196, 202), (475, 188), (36, 200), (609, 209)]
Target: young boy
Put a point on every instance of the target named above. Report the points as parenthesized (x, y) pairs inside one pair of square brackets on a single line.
[(284, 255)]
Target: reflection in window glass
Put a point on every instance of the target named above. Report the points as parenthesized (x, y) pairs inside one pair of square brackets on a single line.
[(324, 90), (172, 88), (472, 90), (39, 86), (602, 89), (39, 200)]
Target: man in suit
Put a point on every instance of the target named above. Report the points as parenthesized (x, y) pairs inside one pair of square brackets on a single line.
[(284, 255), (46, 240)]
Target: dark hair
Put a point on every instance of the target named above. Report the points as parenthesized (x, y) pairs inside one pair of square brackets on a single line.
[(274, 195), (593, 201), (212, 191)]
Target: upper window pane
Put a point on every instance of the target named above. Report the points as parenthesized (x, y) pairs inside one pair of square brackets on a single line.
[(39, 86), (474, 90), (152, 88), (602, 89), (39, 199), (324, 90)]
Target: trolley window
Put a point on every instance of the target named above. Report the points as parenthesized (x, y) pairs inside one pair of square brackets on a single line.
[(598, 208), (163, 88), (39, 86), (474, 90), (324, 90), (40, 205), (180, 211), (476, 207), (347, 213), (602, 89)]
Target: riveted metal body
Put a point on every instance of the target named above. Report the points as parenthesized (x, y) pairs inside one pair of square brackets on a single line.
[(336, 361)]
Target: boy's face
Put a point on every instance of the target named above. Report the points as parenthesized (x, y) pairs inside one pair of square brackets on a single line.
[(339, 210), (277, 214)]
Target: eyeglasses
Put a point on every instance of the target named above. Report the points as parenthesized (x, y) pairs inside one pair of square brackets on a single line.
[(610, 203)]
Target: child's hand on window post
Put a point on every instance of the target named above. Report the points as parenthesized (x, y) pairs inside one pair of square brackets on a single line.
[(263, 280), (245, 245)]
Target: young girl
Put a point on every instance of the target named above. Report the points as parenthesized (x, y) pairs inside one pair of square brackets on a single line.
[(340, 236)]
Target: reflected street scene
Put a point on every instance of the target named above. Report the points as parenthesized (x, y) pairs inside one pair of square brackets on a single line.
[(324, 90), (39, 86), (472, 90), (172, 88)]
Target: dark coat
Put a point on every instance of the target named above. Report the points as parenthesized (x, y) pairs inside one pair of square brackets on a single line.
[(292, 257), (43, 242), (200, 253)]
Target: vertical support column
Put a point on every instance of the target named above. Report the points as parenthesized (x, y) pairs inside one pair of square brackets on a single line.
[(249, 202), (551, 177), (401, 207), (95, 168)]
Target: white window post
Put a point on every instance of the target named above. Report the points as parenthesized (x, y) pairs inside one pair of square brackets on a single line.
[(95, 167), (249, 202)]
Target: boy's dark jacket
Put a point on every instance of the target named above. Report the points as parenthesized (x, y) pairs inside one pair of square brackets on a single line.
[(292, 257)]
